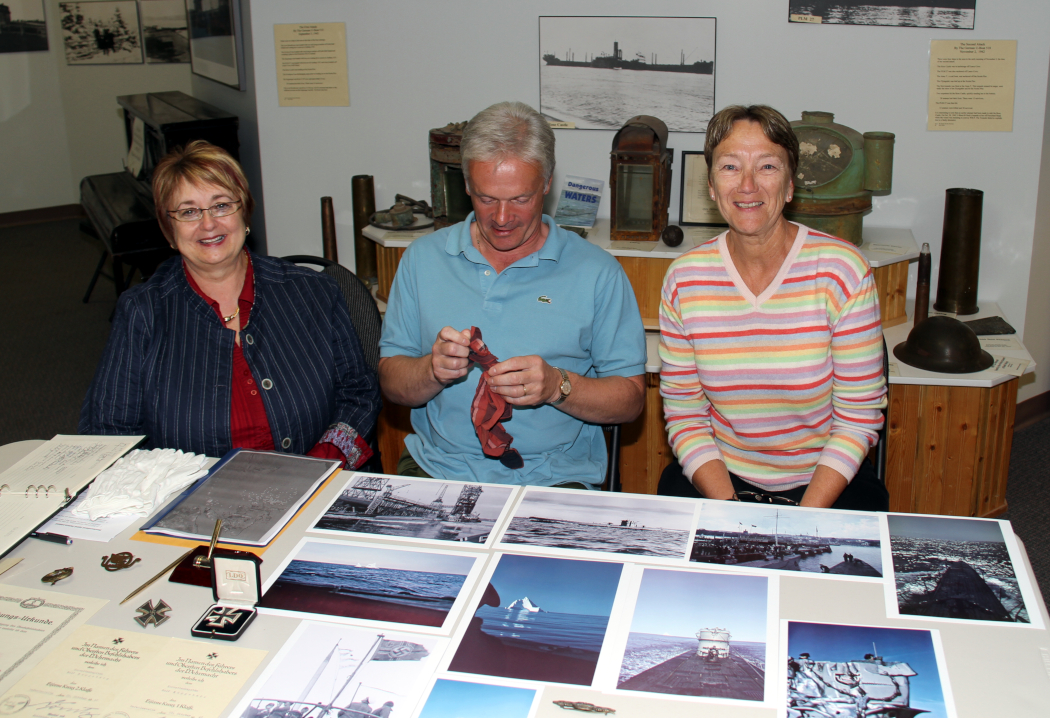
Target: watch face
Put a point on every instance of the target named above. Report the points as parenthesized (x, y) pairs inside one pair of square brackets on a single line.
[(823, 155)]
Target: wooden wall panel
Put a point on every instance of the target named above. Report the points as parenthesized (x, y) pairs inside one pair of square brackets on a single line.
[(646, 277), (393, 426), (891, 282), (644, 452), (387, 259)]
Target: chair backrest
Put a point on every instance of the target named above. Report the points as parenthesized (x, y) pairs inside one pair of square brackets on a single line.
[(363, 310), (612, 471)]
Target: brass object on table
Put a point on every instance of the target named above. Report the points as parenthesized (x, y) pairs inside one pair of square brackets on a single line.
[(406, 214), (583, 707), (118, 561), (167, 568), (56, 576), (838, 172), (945, 345), (205, 561), (329, 246), (363, 195), (155, 614), (960, 251), (640, 180), (922, 286), (448, 187)]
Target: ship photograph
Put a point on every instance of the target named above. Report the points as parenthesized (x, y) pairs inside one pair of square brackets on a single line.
[(360, 581), (540, 619), (832, 544), (698, 634), (426, 509), (601, 521), (841, 671), (598, 72), (330, 671), (955, 569)]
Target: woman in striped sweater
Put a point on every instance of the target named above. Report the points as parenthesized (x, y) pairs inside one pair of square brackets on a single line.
[(771, 343)]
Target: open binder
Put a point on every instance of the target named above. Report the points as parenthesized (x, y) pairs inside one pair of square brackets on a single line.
[(39, 485)]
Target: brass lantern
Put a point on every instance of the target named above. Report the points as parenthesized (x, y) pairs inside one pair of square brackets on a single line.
[(640, 179)]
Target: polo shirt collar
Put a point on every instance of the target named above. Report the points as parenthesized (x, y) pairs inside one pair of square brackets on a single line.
[(459, 242)]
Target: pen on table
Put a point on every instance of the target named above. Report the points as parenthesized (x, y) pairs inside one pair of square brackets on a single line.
[(53, 538), (167, 568)]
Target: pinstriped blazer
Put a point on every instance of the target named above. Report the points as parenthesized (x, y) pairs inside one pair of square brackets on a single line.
[(167, 369)]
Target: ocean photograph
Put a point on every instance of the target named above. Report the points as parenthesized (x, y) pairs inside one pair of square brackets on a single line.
[(598, 72), (698, 634), (601, 521), (954, 568), (368, 582), (828, 543), (839, 670), (540, 619), (327, 670), (463, 699), (415, 508), (954, 14)]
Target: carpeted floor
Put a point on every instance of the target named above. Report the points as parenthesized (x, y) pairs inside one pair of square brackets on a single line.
[(50, 343)]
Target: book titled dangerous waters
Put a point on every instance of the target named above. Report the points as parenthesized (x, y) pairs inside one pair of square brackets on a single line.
[(578, 201)]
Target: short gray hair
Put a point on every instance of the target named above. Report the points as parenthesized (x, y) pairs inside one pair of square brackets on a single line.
[(508, 129)]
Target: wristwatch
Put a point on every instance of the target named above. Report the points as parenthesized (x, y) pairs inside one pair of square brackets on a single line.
[(565, 388)]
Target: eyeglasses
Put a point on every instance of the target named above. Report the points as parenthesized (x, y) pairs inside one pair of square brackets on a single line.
[(761, 498), (195, 214)]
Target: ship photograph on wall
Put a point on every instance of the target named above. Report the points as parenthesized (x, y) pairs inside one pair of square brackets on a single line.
[(22, 26), (598, 72), (954, 14)]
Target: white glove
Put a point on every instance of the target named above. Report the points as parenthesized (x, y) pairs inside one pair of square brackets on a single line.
[(141, 481)]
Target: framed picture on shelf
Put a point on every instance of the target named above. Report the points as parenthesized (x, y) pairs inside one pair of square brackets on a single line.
[(696, 207), (22, 26), (216, 41), (101, 33)]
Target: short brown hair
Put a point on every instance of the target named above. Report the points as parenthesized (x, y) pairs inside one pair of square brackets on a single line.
[(774, 126), (198, 163)]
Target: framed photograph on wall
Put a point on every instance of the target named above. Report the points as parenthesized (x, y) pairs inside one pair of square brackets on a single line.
[(101, 33), (216, 41), (165, 33), (22, 26), (598, 72), (696, 206), (954, 14)]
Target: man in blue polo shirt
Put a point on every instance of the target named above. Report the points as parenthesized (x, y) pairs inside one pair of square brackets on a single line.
[(556, 309)]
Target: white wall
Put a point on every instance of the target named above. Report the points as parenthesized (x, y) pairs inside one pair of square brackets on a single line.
[(60, 123), (414, 66)]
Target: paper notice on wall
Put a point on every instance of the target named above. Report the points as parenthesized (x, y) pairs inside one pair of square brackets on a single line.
[(972, 85), (311, 65), (1009, 365), (578, 201), (137, 149)]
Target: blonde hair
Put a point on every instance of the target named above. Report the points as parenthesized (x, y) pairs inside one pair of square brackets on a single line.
[(198, 163)]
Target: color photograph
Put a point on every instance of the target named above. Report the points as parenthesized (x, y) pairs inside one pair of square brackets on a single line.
[(832, 544), (326, 670), (463, 699), (601, 521), (698, 634), (22, 26), (836, 670), (427, 509), (599, 72), (101, 33), (164, 30), (955, 14), (955, 568), (540, 619), (362, 581)]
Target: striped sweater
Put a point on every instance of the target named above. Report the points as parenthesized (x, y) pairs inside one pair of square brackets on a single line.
[(776, 384)]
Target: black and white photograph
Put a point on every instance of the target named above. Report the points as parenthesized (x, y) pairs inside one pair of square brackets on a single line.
[(863, 671), (101, 33), (22, 26), (601, 521), (164, 30), (540, 618), (425, 509), (344, 671), (954, 14), (701, 634), (345, 580), (832, 544), (956, 569), (216, 44), (599, 72)]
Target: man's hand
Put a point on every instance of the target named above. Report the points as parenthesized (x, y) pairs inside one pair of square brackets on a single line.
[(525, 381), (448, 356)]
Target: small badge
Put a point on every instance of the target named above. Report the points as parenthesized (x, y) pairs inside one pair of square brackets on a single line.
[(543, 298), (117, 561), (56, 576), (153, 614)]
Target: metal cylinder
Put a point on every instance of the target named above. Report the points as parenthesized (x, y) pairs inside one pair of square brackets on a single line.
[(960, 251), (922, 286), (878, 162), (329, 247), (363, 190)]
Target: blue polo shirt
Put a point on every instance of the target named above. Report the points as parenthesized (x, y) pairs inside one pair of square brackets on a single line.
[(570, 303)]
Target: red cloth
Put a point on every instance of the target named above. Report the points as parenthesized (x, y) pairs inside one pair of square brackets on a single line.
[(489, 409)]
